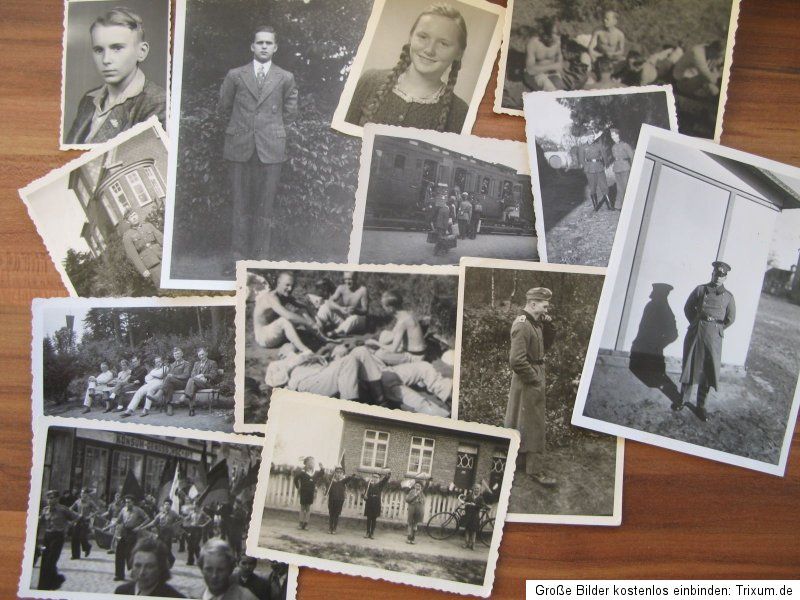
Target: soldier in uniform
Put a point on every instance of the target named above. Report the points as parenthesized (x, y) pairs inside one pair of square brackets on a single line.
[(710, 310), (592, 159), (53, 522), (531, 335), (143, 245)]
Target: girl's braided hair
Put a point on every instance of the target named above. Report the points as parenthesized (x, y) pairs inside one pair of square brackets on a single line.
[(376, 99)]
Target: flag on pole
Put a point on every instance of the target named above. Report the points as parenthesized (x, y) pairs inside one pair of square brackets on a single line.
[(218, 488), (132, 487), (165, 481), (249, 479), (173, 491), (201, 480)]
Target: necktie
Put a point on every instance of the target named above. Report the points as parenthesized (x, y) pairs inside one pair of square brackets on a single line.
[(261, 77)]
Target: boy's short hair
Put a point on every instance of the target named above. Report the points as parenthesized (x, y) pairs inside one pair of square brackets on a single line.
[(121, 17), (265, 29), (604, 65), (392, 298)]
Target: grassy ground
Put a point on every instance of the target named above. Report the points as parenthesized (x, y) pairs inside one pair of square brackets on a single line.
[(747, 417), (585, 474), (574, 232)]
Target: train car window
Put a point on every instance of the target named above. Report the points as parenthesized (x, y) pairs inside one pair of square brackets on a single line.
[(485, 185), (399, 164), (386, 160), (461, 179), (506, 190)]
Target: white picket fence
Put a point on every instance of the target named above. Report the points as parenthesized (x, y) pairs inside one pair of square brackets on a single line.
[(281, 493)]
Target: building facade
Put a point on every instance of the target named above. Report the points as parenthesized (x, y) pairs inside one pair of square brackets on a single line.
[(127, 178)]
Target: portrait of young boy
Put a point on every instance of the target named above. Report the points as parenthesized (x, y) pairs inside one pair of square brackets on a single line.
[(121, 91)]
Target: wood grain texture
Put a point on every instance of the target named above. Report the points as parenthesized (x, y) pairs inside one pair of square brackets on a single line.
[(682, 516)]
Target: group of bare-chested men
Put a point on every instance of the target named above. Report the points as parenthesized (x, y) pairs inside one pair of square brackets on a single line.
[(603, 61), (386, 370)]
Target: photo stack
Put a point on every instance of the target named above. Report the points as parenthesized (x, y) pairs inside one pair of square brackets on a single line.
[(315, 322)]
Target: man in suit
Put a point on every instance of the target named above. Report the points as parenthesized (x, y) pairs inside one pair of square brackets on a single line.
[(176, 379), (216, 565), (204, 370), (246, 577), (258, 100), (525, 412), (710, 310)]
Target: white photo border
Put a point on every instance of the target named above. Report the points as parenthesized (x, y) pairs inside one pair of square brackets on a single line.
[(615, 518), (452, 141), (283, 396), (530, 134), (627, 227), (64, 171), (338, 122), (242, 268), (730, 42)]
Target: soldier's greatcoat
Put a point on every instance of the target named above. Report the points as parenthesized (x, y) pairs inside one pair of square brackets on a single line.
[(710, 310), (143, 247), (526, 399)]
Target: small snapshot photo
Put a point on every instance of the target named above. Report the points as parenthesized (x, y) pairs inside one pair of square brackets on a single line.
[(255, 168), (378, 335), (430, 198), (101, 216), (157, 362), (581, 146), (115, 68), (696, 336), (160, 514), (378, 493), (523, 334), (421, 64), (569, 45)]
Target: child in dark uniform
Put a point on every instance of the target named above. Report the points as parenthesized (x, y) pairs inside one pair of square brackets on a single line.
[(336, 491), (372, 500), (306, 483)]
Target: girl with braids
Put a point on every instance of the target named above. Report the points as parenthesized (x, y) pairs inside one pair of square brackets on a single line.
[(414, 93)]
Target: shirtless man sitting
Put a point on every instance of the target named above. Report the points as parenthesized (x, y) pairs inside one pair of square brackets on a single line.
[(609, 41), (345, 312), (405, 342), (543, 62), (278, 317)]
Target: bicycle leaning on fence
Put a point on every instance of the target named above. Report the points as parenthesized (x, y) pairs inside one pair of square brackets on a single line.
[(444, 525)]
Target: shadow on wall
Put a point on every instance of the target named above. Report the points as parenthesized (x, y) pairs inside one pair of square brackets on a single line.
[(657, 330)]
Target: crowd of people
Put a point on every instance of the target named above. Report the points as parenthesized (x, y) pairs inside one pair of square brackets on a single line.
[(309, 478), (385, 370), (605, 60), (453, 215), (155, 385), (141, 538)]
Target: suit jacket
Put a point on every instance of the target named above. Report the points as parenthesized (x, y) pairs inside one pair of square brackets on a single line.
[(181, 370), (237, 592), (152, 100), (257, 118), (163, 590), (209, 369)]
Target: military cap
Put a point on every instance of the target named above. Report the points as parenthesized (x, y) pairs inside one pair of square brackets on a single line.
[(52, 494), (721, 266), (538, 294)]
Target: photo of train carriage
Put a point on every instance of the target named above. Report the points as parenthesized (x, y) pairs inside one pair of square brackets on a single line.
[(411, 179), (406, 175)]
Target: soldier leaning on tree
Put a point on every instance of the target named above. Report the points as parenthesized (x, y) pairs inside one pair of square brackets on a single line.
[(531, 334)]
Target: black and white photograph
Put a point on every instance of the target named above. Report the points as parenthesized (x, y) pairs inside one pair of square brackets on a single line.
[(115, 69), (421, 64), (367, 491), (145, 361), (523, 332), (255, 168), (695, 342), (101, 216), (581, 146), (381, 335), (430, 198), (570, 45), (159, 513)]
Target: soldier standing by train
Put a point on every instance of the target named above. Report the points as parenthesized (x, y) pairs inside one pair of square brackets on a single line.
[(531, 335), (475, 225)]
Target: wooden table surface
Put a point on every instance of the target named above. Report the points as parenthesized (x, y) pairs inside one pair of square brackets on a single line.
[(682, 516)]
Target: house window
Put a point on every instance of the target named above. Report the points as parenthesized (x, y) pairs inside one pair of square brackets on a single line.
[(95, 467), (113, 214), (152, 474), (155, 181), (420, 456), (375, 451), (118, 194), (135, 181)]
